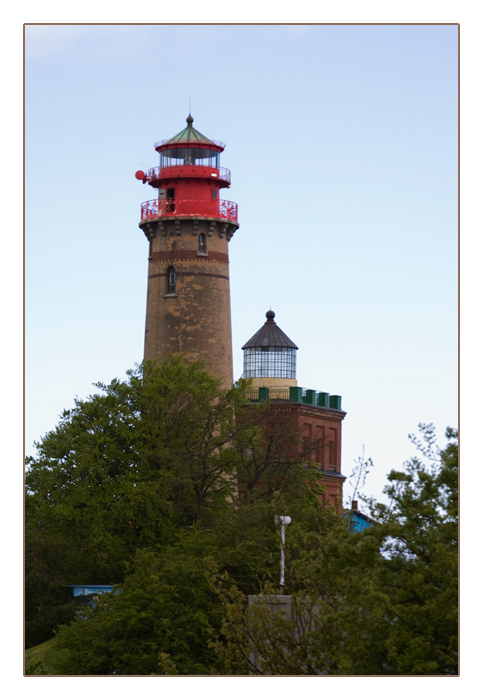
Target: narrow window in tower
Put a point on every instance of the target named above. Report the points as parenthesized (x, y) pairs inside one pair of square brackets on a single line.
[(202, 244), (214, 194), (171, 280)]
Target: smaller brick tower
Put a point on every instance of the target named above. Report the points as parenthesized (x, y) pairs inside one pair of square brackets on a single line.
[(188, 228), (269, 360)]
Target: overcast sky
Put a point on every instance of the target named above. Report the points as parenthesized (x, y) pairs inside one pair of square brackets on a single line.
[(342, 144)]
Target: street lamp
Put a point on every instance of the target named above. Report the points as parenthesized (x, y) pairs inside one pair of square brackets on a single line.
[(282, 520)]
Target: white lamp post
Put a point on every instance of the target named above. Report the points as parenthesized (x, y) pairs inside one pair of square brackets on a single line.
[(282, 520)]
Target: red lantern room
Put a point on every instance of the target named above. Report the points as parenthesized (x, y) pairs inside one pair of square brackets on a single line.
[(189, 178)]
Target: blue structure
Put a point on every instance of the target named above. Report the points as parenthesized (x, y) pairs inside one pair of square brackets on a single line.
[(357, 520), (80, 589)]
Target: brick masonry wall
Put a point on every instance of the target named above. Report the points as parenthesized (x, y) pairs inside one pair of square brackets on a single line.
[(321, 430), (196, 319)]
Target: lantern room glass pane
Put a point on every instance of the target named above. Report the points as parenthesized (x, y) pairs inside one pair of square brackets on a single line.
[(189, 156), (269, 362)]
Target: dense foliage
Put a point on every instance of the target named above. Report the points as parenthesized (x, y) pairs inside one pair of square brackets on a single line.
[(161, 620), (383, 601), (138, 486), (137, 465)]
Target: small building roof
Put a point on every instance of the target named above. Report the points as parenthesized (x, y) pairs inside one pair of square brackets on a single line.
[(359, 514), (270, 335), (331, 472)]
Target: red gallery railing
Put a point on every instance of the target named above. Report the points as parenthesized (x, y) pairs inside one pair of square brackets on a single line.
[(187, 170), (219, 208)]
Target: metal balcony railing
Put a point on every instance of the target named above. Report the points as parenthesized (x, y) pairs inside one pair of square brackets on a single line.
[(216, 208), (189, 170)]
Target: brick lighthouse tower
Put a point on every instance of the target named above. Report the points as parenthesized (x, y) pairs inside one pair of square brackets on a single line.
[(188, 228)]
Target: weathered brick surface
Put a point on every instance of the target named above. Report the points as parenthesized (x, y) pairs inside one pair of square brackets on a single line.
[(323, 427), (320, 429), (178, 255), (196, 319)]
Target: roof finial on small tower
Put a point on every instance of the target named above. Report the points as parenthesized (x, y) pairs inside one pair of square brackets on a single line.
[(270, 316)]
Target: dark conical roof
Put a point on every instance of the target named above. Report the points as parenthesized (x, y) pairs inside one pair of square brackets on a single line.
[(270, 335)]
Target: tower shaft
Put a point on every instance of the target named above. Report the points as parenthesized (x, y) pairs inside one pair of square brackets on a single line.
[(188, 298)]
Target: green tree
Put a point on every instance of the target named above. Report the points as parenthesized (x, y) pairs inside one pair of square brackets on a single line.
[(139, 462), (167, 610), (124, 470), (160, 621), (138, 485), (125, 467), (383, 601), (419, 536)]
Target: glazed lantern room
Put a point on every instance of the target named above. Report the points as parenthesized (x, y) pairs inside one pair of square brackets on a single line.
[(189, 155), (189, 147), (270, 353)]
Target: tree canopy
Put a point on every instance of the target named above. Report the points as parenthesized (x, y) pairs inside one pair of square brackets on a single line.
[(166, 486), (136, 464), (382, 601)]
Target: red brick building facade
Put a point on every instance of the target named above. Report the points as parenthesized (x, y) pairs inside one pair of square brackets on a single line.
[(315, 417)]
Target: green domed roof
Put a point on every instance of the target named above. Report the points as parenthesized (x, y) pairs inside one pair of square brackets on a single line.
[(189, 135)]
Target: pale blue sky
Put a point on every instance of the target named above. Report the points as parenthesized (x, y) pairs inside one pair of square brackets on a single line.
[(342, 143)]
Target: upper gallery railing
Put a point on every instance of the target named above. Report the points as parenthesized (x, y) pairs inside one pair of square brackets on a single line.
[(189, 170), (217, 208)]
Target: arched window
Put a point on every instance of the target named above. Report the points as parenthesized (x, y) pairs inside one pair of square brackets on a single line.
[(171, 280), (202, 243)]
